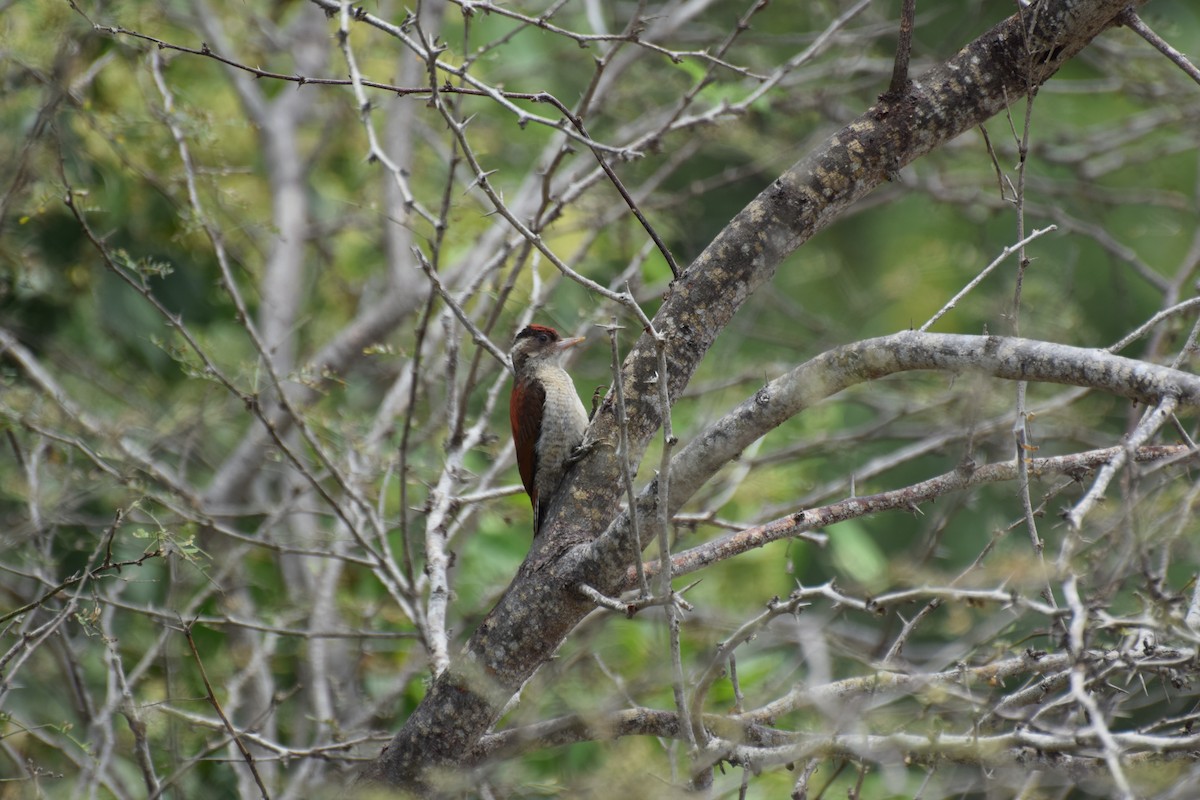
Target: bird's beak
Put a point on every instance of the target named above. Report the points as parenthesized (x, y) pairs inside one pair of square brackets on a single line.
[(563, 344)]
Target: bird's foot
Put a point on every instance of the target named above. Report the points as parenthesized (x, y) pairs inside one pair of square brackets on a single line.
[(581, 452)]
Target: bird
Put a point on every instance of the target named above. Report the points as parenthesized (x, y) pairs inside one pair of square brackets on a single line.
[(547, 416)]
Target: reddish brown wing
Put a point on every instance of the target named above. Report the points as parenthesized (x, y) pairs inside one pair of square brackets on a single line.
[(525, 414)]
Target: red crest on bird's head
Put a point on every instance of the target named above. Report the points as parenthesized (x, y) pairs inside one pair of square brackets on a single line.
[(541, 332), (537, 344)]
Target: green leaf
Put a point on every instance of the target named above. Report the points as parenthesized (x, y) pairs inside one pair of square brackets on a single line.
[(856, 555)]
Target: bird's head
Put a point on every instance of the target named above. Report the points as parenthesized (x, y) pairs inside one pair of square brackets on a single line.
[(536, 345)]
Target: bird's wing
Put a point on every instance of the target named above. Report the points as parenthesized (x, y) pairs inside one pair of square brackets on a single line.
[(525, 414)]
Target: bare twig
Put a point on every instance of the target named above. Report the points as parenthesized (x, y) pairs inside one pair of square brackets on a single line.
[(635, 520), (1079, 690), (1000, 259), (802, 522), (1130, 19), (234, 734), (1145, 429), (908, 13)]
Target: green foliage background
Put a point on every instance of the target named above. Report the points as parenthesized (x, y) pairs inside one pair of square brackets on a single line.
[(1113, 164)]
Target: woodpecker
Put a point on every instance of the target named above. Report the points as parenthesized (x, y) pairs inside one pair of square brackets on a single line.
[(546, 413)]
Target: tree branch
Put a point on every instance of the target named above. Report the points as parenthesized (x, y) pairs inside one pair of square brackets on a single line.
[(838, 369)]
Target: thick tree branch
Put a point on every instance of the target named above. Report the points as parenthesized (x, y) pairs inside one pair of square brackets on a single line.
[(871, 359), (981, 80)]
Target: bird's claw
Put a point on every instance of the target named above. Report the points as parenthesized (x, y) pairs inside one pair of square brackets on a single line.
[(581, 452), (597, 396)]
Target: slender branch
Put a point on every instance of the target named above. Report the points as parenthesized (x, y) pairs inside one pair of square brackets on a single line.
[(725, 651), (881, 686), (477, 336), (908, 13), (247, 756), (1000, 259), (1146, 326), (635, 520), (871, 359), (906, 499), (1146, 428), (1130, 19), (897, 647), (1079, 691)]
